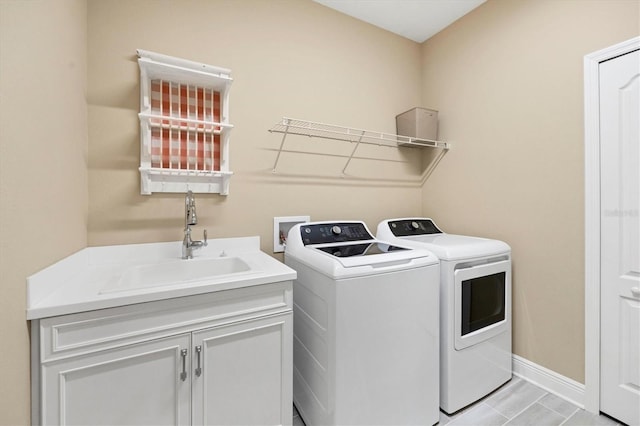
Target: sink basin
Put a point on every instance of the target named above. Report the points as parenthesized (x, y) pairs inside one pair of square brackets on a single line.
[(176, 272)]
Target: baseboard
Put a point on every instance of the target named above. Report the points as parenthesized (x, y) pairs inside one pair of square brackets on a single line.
[(549, 380)]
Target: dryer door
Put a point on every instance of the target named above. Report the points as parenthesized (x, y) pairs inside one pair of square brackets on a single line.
[(482, 297)]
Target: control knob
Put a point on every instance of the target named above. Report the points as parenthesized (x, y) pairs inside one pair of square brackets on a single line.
[(336, 230), (415, 225)]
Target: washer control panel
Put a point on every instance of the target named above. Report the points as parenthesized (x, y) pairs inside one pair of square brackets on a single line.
[(408, 227), (322, 233)]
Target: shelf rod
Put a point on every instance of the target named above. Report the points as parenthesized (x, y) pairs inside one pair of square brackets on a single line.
[(353, 152), (148, 116)]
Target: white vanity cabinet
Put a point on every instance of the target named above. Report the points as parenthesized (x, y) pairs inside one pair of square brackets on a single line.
[(134, 384), (216, 358), (242, 371)]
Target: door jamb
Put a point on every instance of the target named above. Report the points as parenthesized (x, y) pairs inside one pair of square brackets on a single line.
[(592, 215)]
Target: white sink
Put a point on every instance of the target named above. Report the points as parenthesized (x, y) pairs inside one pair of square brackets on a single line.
[(176, 272), (118, 275)]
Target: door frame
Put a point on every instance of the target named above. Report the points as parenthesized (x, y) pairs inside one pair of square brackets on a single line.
[(593, 215)]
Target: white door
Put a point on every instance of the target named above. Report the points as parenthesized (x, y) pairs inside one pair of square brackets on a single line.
[(243, 374), (620, 236), (138, 384)]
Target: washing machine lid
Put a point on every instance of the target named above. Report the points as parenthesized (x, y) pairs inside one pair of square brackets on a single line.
[(423, 232), (365, 248), (347, 249)]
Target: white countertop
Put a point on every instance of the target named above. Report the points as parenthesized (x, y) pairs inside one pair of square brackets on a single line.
[(77, 283)]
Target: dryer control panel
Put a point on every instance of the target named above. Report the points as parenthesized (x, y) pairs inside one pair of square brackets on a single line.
[(323, 233), (408, 227)]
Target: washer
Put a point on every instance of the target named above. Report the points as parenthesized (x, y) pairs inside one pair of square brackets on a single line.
[(475, 308), (366, 330)]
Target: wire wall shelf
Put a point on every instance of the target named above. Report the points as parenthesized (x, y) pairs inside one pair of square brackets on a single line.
[(291, 126)]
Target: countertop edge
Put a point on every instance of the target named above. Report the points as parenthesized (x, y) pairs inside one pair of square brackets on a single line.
[(38, 313)]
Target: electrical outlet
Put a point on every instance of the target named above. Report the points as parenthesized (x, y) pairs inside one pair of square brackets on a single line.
[(281, 227)]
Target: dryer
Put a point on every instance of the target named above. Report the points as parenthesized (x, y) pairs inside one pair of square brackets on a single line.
[(475, 308), (366, 331)]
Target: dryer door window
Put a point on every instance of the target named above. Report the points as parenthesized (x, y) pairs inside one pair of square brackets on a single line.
[(482, 302)]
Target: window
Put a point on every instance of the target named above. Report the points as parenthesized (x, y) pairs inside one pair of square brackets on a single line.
[(184, 125)]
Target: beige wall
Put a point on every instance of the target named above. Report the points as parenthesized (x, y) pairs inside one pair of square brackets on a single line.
[(72, 65), (43, 166), (508, 81), (289, 58)]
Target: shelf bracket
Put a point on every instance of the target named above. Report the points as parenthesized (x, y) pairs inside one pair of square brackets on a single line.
[(284, 136), (352, 153), (432, 166)]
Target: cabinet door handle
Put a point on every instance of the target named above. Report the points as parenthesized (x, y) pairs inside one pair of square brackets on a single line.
[(198, 369), (183, 375)]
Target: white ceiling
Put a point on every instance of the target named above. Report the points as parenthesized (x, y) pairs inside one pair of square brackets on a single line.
[(416, 20)]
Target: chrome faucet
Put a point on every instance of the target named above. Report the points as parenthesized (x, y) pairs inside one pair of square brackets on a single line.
[(190, 218)]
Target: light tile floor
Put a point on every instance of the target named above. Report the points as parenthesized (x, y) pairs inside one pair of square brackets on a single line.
[(518, 402)]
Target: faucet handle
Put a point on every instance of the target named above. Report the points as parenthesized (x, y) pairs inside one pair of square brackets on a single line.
[(205, 238)]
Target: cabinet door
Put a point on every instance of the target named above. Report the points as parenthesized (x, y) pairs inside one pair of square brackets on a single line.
[(246, 373), (139, 384)]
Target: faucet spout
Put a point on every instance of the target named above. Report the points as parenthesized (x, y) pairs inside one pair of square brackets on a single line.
[(190, 219)]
